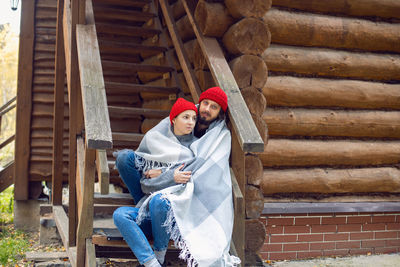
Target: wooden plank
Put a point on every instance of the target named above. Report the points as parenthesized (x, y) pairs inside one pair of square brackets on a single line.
[(133, 67), (126, 112), (97, 121), (127, 48), (129, 88), (103, 173), (7, 141), (90, 254), (58, 116), (126, 30), (24, 99), (249, 138), (113, 198), (85, 223), (6, 105), (181, 52), (132, 137), (61, 220), (238, 233), (80, 167), (6, 176)]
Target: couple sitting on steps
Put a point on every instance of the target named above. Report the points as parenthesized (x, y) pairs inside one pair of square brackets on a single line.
[(180, 180)]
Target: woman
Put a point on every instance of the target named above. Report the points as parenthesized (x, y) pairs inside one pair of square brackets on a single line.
[(155, 165)]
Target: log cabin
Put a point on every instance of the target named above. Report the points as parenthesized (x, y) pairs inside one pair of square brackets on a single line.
[(314, 109)]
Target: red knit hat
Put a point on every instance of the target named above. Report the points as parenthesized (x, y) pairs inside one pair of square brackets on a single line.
[(180, 106), (215, 94)]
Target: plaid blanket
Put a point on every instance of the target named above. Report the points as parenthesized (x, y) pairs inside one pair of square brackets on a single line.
[(201, 216)]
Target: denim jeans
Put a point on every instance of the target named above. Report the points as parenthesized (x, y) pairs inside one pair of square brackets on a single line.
[(125, 163), (136, 236)]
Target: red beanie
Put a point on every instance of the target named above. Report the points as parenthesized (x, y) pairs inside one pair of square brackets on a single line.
[(215, 94), (180, 106)]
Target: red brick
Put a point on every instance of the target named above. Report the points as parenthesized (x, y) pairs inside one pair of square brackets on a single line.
[(373, 243), (360, 251), (322, 245), (333, 220), (282, 255), (309, 254), (359, 219), (307, 221), (383, 219), (296, 229), (271, 247), (323, 228), (348, 213), (311, 237), (386, 250), (381, 235), (280, 221), (274, 229), (336, 237), (397, 218), (361, 236), (283, 238), (393, 243), (393, 226), (349, 228), (296, 247), (348, 244), (336, 252), (374, 227)]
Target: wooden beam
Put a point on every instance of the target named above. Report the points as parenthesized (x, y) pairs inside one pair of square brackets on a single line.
[(238, 234), (61, 220), (86, 212), (90, 254), (103, 173), (249, 138), (24, 99), (7, 141), (97, 121), (6, 176), (58, 111)]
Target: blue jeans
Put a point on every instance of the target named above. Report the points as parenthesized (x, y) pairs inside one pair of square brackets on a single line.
[(125, 163), (136, 236)]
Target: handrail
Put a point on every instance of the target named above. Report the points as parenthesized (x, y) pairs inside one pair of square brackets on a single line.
[(243, 124), (6, 107)]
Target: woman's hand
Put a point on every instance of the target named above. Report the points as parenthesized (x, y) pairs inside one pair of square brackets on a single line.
[(152, 173), (182, 177)]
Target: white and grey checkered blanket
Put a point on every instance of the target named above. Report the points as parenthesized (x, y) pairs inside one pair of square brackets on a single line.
[(201, 216)]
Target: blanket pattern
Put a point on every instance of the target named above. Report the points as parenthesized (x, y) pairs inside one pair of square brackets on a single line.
[(201, 216)]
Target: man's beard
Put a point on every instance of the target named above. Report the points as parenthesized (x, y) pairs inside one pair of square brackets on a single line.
[(203, 121)]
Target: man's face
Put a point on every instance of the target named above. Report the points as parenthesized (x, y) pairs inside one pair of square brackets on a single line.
[(208, 111)]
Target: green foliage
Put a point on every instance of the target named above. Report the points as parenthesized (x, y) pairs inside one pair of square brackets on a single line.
[(8, 87), (13, 245), (7, 205)]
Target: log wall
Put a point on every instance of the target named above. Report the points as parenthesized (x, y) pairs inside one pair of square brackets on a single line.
[(333, 96)]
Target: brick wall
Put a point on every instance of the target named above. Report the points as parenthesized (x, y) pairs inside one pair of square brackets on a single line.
[(299, 236)]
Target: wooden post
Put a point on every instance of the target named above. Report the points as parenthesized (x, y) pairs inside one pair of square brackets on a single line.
[(24, 100), (58, 117)]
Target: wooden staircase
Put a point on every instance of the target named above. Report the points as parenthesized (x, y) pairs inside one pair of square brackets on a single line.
[(128, 81)]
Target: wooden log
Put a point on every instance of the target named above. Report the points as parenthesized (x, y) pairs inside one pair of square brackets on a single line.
[(283, 152), (324, 122), (212, 19), (157, 60), (248, 36), (252, 8), (249, 70), (298, 92), (253, 169), (362, 8), (261, 127), (331, 63), (164, 104), (205, 79), (177, 10), (184, 28), (329, 181), (255, 100), (293, 28), (255, 235), (254, 202)]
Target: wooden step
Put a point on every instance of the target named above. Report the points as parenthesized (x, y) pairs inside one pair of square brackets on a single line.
[(123, 112), (124, 88), (123, 3), (109, 13), (125, 30), (113, 198), (128, 48), (133, 67), (127, 140)]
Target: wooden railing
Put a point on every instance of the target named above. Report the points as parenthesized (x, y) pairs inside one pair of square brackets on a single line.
[(245, 136), (78, 55)]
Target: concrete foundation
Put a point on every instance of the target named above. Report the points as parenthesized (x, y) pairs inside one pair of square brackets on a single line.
[(27, 214), (48, 234)]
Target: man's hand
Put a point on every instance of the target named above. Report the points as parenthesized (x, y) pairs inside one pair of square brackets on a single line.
[(152, 173), (182, 177)]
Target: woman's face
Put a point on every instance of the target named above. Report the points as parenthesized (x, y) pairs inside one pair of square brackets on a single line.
[(184, 122)]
